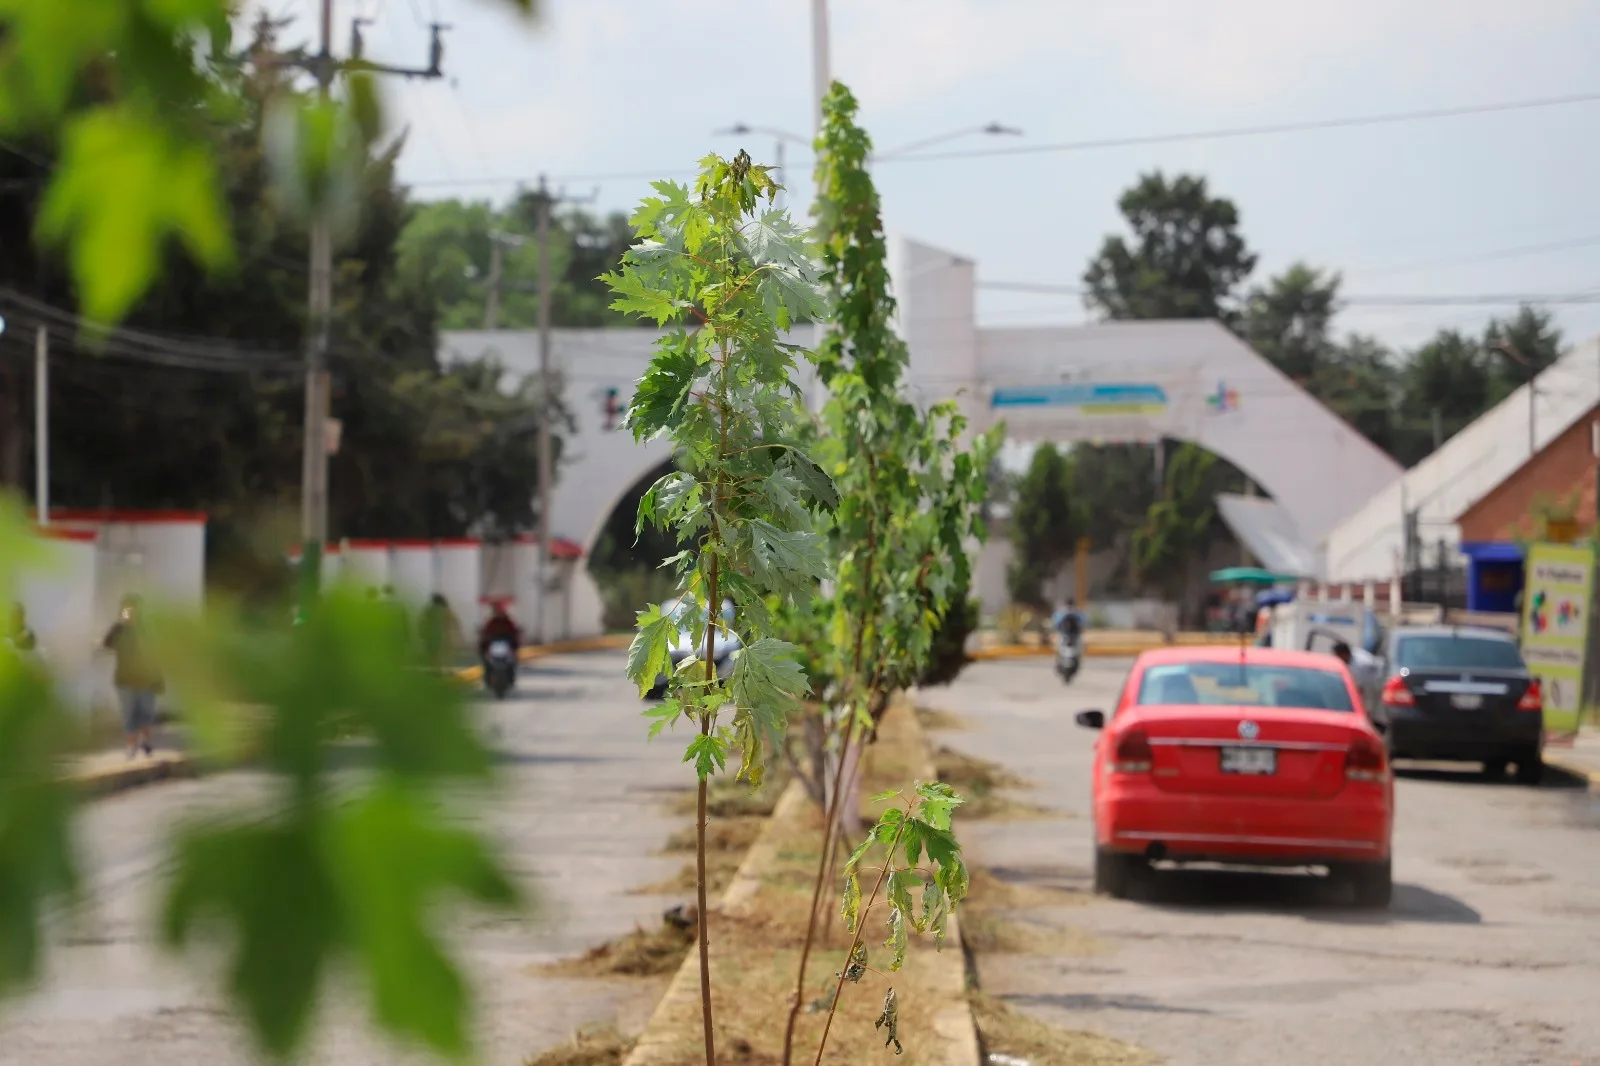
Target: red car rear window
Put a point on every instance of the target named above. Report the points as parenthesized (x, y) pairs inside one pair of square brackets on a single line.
[(1243, 684)]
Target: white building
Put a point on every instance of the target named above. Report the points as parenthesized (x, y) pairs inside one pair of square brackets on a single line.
[(1131, 381), (1369, 543)]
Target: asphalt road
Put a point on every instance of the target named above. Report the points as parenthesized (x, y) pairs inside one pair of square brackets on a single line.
[(580, 816), (1489, 956)]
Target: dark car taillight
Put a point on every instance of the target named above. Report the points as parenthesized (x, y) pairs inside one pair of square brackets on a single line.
[(1395, 693), (1364, 760), (1533, 698), (1134, 754)]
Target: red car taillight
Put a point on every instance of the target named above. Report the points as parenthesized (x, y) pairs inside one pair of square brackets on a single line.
[(1395, 693), (1134, 754), (1364, 760), (1533, 699)]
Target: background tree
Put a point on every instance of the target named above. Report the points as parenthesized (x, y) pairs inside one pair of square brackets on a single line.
[(1179, 526), (1185, 257), (1045, 524), (1446, 383), (1532, 334), (426, 450), (446, 250), (1288, 321)]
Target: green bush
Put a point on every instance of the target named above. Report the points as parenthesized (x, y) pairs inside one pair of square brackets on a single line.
[(948, 656)]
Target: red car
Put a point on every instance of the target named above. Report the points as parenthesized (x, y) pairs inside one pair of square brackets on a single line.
[(1241, 755)]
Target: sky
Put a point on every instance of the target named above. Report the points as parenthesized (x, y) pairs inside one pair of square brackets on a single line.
[(599, 93)]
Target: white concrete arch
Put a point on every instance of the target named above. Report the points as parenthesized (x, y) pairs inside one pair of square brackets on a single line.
[(1125, 381)]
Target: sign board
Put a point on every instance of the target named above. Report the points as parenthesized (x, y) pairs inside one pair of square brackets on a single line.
[(1555, 628)]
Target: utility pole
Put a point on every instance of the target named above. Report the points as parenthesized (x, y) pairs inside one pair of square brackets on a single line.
[(319, 298), (819, 59), (41, 425), (546, 408), (542, 567)]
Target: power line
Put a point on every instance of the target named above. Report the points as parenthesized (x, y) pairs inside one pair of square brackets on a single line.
[(1232, 132), (1224, 133), (1450, 300), (1487, 257)]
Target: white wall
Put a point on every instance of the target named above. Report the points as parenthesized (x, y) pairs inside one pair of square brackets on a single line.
[(60, 597), (411, 570), (365, 563), (1369, 543), (458, 566)]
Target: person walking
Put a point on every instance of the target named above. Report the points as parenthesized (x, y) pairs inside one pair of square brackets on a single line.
[(19, 635), (439, 631), (136, 678)]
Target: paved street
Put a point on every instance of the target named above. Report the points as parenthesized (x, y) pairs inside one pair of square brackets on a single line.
[(1490, 955), (580, 818)]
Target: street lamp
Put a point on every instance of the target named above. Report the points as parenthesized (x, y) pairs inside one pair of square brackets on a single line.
[(780, 137), (1509, 351), (990, 129)]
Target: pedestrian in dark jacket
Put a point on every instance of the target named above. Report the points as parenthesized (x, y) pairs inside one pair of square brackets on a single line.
[(137, 679)]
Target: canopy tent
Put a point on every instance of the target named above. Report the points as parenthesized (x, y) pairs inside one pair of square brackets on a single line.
[(1248, 575)]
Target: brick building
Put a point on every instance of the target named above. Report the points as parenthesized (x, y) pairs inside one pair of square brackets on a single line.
[(1550, 497)]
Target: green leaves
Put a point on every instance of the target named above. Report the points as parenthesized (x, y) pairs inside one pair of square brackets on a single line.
[(709, 753), (317, 882), (650, 651), (850, 905), (786, 561), (922, 826), (744, 499), (124, 185), (38, 864), (119, 85)]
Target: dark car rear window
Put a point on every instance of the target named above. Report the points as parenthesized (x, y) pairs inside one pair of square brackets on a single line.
[(1454, 652), (1243, 684)]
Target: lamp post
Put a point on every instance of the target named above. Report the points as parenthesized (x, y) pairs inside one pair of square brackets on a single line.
[(988, 129), (1509, 351)]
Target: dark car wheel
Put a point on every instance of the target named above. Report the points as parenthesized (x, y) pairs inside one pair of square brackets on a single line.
[(1530, 769), (1495, 769), (1116, 874), (1371, 883)]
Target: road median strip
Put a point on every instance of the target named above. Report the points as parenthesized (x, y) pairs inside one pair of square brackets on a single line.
[(757, 927)]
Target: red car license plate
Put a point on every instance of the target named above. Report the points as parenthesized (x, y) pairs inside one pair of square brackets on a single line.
[(1249, 761)]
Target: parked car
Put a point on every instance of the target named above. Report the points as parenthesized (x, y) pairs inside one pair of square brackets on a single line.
[(1460, 693), (691, 641), (1246, 756)]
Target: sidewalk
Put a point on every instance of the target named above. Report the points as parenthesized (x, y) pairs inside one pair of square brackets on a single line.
[(1579, 757)]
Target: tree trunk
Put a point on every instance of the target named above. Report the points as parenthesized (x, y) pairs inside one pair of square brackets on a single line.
[(11, 435)]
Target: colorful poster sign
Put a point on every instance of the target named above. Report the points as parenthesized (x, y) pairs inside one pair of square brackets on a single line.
[(1088, 399), (1555, 628)]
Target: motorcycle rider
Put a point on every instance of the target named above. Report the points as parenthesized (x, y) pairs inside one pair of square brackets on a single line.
[(1068, 623), (498, 627)]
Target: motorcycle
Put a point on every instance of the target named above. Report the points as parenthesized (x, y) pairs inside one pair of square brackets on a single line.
[(1069, 657), (500, 668)]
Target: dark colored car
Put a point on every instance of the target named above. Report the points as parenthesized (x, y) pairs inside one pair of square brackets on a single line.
[(1459, 693)]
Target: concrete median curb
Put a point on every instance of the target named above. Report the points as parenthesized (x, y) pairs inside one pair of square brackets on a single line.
[(1116, 648), (105, 781), (953, 1040)]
